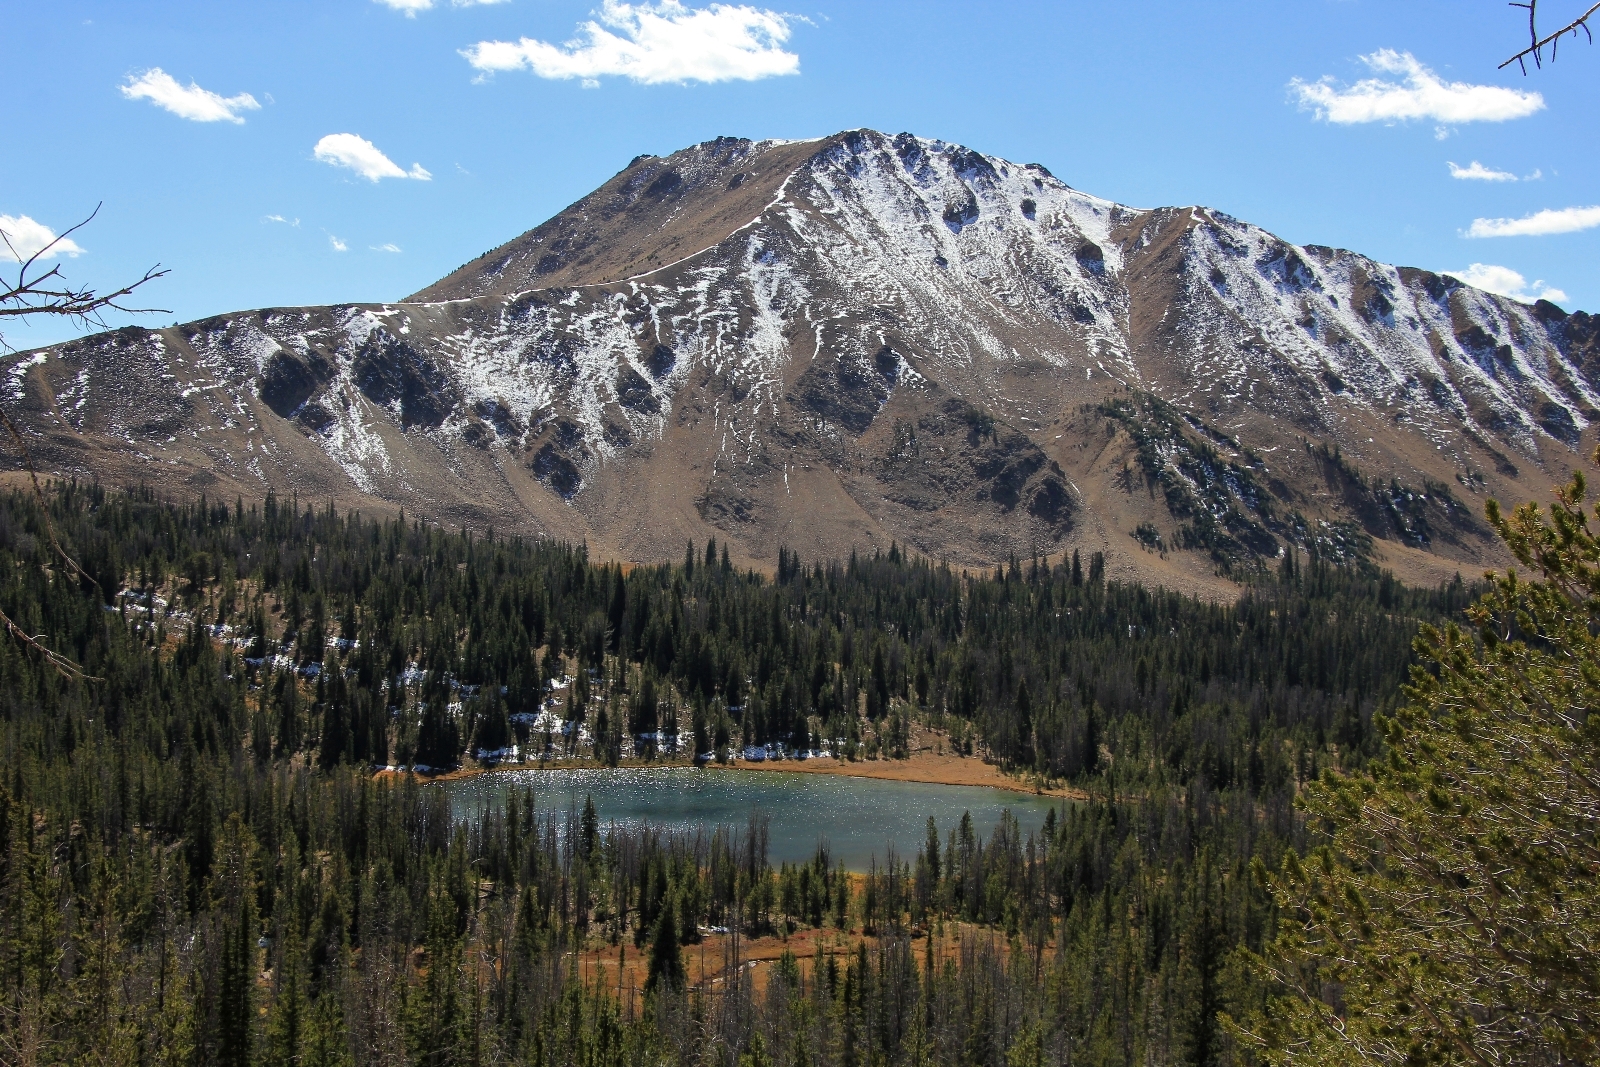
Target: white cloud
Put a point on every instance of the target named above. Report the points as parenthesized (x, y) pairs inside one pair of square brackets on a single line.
[(1419, 94), (1506, 282), (390, 247), (1539, 224), (1477, 172), (363, 157), (27, 237), (192, 103), (279, 218), (655, 43), (411, 7), (337, 245)]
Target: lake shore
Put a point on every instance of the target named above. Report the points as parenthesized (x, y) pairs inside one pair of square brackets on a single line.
[(928, 767), (931, 768)]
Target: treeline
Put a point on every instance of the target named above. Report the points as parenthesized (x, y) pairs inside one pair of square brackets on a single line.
[(197, 867), (425, 640)]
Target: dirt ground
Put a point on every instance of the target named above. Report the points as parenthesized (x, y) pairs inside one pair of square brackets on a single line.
[(709, 963), (937, 768)]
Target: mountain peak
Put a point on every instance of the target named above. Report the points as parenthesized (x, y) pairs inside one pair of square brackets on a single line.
[(656, 210), (837, 343)]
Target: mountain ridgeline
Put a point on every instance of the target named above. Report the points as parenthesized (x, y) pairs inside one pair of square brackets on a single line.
[(842, 343)]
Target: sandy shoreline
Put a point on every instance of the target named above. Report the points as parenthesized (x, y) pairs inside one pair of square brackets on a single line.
[(925, 767)]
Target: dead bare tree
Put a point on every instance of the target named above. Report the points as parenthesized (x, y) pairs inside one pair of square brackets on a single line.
[(1537, 45), (37, 291)]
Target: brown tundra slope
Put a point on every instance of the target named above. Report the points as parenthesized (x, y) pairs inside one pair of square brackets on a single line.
[(840, 343)]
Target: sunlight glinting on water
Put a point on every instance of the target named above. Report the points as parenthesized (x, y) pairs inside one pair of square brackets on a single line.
[(859, 817)]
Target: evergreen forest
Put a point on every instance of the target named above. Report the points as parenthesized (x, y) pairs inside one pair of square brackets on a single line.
[(202, 860)]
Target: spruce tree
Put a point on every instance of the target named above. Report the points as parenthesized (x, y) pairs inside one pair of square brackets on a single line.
[(327, 1044), (1454, 915), (236, 982), (336, 742), (287, 1024), (436, 1022), (666, 955), (438, 739)]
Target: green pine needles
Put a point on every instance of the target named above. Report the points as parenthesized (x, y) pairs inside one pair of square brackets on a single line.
[(1453, 916), (666, 957)]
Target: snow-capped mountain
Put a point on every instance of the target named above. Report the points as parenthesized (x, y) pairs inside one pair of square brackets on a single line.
[(837, 343)]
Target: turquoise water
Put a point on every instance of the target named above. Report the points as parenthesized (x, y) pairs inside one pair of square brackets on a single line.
[(859, 817)]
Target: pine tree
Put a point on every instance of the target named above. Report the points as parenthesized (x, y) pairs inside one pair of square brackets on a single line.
[(287, 1024), (589, 828), (236, 981), (438, 739), (327, 1044), (1202, 945), (337, 741), (436, 1024), (666, 956), (1456, 909), (493, 730), (287, 693)]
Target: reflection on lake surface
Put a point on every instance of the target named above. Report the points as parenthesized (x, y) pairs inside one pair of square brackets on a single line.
[(860, 817)]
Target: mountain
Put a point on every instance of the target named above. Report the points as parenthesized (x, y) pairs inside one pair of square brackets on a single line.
[(840, 343)]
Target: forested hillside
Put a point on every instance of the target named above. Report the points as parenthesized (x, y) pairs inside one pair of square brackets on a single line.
[(198, 866)]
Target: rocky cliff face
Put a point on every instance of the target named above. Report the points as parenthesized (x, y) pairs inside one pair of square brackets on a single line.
[(838, 343)]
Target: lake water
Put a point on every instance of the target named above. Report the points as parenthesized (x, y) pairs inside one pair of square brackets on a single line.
[(859, 817)]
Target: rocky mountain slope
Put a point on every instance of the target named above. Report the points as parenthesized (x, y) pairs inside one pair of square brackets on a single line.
[(840, 343)]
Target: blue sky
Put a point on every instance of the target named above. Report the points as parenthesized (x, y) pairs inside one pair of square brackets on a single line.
[(314, 151)]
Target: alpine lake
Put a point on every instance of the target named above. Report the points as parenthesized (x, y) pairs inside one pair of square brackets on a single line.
[(860, 819)]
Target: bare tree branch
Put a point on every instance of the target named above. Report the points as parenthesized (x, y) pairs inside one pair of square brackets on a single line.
[(1537, 44), (45, 292), (67, 668)]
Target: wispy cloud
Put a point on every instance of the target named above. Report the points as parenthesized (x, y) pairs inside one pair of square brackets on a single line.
[(411, 7), (390, 247), (363, 157), (654, 43), (187, 102), (1539, 224), (336, 244), (1506, 282), (1418, 94), (279, 218), (1477, 172), (25, 237)]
